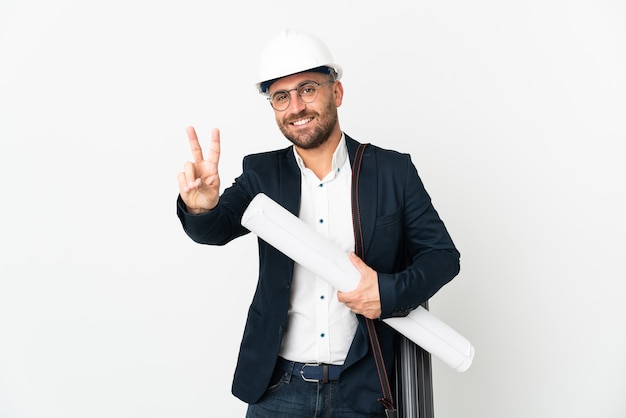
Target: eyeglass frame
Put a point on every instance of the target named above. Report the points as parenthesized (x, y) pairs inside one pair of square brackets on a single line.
[(299, 86)]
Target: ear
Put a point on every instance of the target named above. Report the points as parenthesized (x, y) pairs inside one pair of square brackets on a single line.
[(338, 93)]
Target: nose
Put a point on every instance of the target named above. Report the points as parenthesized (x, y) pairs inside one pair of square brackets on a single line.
[(295, 104)]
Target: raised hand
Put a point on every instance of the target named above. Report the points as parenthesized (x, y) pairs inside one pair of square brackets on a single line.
[(199, 183)]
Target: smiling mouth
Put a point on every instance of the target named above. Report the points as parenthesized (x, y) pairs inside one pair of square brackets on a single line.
[(301, 122)]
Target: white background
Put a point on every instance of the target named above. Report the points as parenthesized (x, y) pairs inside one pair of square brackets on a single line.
[(513, 111)]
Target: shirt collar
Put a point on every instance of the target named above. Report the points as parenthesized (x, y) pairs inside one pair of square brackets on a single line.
[(339, 157)]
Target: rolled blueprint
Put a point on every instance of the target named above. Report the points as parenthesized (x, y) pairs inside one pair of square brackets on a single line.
[(291, 236)]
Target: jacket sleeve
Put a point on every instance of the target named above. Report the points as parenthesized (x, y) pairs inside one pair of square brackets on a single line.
[(430, 258)]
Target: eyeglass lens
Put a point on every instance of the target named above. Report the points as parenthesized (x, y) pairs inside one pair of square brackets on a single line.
[(307, 93)]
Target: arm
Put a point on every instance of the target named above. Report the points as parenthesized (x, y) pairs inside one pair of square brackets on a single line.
[(424, 258), (199, 207), (432, 258)]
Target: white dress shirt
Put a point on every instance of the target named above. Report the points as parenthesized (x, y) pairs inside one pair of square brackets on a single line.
[(320, 328)]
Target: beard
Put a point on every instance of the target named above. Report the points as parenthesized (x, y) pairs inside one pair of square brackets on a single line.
[(316, 135)]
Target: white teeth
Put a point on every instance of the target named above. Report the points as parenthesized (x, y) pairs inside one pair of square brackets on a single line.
[(301, 122)]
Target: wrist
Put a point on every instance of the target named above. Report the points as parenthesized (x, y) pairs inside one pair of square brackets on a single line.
[(197, 211)]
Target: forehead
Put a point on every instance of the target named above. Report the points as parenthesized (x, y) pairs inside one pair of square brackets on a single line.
[(292, 81)]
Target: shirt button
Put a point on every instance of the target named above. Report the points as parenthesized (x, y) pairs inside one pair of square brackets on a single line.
[(322, 297), (321, 221), (322, 335)]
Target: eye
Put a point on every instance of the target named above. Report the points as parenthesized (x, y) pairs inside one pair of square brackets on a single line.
[(280, 97), (307, 90)]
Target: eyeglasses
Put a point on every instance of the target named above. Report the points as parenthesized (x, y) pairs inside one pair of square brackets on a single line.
[(307, 93)]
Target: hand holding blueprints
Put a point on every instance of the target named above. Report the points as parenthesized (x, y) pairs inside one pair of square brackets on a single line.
[(284, 231)]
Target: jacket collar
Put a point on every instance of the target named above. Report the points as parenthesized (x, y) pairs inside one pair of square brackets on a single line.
[(290, 188)]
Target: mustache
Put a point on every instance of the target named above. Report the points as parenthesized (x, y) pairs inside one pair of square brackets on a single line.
[(301, 115)]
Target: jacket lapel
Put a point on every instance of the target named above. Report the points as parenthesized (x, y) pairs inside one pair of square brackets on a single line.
[(290, 182)]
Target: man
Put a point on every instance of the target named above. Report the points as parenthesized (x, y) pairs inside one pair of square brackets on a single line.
[(305, 349)]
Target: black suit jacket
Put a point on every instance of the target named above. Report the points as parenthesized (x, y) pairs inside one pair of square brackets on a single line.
[(405, 242)]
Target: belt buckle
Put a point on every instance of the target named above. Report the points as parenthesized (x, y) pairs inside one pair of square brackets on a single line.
[(325, 380)]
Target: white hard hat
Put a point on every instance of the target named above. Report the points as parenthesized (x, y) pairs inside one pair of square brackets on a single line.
[(292, 52)]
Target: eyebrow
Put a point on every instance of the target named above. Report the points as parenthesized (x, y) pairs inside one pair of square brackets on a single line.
[(298, 85)]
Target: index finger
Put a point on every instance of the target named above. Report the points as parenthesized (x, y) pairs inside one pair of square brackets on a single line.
[(196, 149), (215, 147)]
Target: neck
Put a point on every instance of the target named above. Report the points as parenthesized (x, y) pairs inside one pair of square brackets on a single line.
[(320, 159)]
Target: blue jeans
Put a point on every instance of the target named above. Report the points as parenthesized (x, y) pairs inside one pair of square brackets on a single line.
[(292, 397)]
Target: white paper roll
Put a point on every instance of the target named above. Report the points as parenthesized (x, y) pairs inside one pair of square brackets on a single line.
[(288, 234)]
